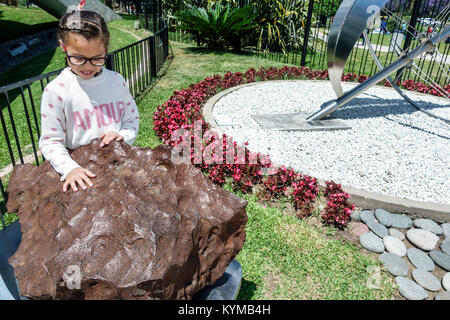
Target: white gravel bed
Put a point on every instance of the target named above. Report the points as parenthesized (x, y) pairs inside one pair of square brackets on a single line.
[(391, 147)]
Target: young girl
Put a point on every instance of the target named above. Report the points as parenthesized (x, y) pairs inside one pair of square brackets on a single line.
[(85, 101)]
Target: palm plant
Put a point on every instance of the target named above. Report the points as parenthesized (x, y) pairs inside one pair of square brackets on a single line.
[(218, 25)]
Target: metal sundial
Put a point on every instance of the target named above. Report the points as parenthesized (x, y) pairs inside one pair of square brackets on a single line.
[(351, 20)]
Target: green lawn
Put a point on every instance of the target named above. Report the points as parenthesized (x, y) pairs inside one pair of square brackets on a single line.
[(16, 22), (290, 259), (128, 24)]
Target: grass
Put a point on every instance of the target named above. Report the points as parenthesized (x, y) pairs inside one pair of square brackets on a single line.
[(128, 25), (285, 258), (16, 22)]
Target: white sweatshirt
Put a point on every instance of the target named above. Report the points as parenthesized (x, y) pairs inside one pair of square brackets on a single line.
[(75, 111)]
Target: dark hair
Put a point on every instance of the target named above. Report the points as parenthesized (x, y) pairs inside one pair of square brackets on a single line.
[(90, 24)]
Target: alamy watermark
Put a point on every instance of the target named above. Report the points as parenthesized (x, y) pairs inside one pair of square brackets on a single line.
[(72, 277)]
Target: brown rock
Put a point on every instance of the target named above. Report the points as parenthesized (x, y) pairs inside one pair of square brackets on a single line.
[(358, 228), (147, 229)]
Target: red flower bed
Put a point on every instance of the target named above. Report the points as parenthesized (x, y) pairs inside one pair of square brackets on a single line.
[(180, 122), (338, 209)]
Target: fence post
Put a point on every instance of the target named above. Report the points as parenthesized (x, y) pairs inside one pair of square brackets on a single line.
[(160, 14), (166, 42), (154, 13), (152, 57), (412, 23), (410, 30), (307, 30), (110, 62)]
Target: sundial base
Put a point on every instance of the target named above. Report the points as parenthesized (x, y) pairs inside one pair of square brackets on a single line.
[(297, 122)]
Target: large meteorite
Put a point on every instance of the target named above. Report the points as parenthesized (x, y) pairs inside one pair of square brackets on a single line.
[(147, 229)]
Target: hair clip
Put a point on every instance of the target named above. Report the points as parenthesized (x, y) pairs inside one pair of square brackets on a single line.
[(81, 4)]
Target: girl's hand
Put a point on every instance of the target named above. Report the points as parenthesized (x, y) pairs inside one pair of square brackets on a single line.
[(108, 137), (80, 176)]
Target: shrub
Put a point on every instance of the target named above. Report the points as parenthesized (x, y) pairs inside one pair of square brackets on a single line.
[(338, 209), (219, 26), (304, 193)]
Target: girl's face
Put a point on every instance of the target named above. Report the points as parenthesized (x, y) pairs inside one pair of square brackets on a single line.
[(81, 47)]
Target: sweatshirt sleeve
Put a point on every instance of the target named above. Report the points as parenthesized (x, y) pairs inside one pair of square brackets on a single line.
[(53, 133), (130, 119)]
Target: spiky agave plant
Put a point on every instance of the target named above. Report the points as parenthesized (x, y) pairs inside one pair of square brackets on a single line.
[(218, 25)]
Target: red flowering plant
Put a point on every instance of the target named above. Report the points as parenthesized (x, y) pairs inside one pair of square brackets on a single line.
[(232, 80), (362, 78), (303, 194), (275, 186), (338, 209)]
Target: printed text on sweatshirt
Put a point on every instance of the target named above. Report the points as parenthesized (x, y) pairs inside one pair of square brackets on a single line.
[(75, 111)]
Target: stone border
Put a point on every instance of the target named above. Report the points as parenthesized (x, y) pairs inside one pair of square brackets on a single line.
[(361, 198)]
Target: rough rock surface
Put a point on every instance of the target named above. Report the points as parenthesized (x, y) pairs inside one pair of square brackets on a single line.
[(147, 229)]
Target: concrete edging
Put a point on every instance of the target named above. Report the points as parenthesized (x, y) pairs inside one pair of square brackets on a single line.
[(361, 198)]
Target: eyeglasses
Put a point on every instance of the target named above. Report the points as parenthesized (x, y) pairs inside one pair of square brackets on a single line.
[(79, 61)]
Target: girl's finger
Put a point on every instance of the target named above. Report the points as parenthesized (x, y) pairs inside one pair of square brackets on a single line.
[(74, 186), (65, 186), (87, 180), (103, 143), (90, 173), (81, 183)]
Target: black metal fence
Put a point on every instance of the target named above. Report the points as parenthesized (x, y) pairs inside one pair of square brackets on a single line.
[(139, 63), (418, 15), (312, 49)]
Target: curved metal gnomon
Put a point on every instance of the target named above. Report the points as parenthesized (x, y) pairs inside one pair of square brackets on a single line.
[(351, 20)]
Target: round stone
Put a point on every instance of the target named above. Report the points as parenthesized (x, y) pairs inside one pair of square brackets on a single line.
[(422, 239), (426, 280), (358, 228), (441, 259), (394, 245), (442, 296), (446, 229), (446, 281), (372, 242), (378, 229), (396, 233), (366, 216), (384, 217), (410, 290), (401, 221), (394, 264), (445, 246), (420, 259), (429, 225)]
